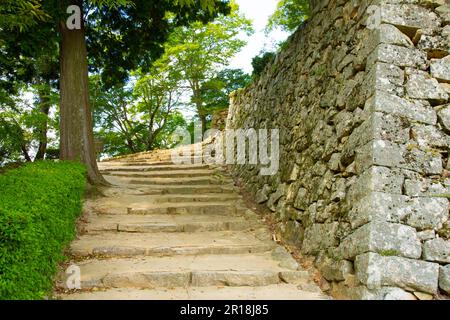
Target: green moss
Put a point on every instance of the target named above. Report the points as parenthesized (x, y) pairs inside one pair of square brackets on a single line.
[(39, 204), (388, 253)]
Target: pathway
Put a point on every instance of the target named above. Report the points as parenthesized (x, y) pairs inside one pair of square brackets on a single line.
[(166, 231)]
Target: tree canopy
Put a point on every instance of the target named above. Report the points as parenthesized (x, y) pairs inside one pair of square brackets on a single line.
[(289, 15)]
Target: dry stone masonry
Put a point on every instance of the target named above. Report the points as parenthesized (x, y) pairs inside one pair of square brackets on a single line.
[(364, 119)]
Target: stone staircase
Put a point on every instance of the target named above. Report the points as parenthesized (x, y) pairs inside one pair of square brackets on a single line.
[(166, 231)]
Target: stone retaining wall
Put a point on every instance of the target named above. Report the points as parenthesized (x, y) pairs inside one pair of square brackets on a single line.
[(364, 127)]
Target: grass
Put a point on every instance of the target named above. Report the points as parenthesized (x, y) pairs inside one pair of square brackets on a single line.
[(39, 204)]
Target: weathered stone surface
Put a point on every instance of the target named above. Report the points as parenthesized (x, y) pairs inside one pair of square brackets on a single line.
[(430, 136), (398, 294), (376, 271), (273, 199), (414, 110), (444, 117), (440, 69), (320, 236), (428, 213), (421, 85), (410, 18), (333, 270), (444, 278), (389, 34), (437, 250), (263, 194), (381, 237), (380, 179), (422, 213), (434, 46), (386, 153), (301, 201), (426, 235), (399, 56), (444, 12), (423, 187)]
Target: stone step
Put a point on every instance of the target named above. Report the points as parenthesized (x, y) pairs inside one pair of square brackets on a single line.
[(164, 174), (199, 208), (168, 244), (168, 204), (179, 181), (186, 198), (163, 223), (144, 168), (173, 189), (271, 292), (194, 271)]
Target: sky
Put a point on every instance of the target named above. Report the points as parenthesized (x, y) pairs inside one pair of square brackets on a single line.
[(259, 12)]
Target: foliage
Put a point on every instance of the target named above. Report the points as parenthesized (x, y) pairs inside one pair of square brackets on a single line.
[(21, 14), (216, 92), (199, 50), (39, 204), (141, 116), (21, 123), (259, 63), (289, 15)]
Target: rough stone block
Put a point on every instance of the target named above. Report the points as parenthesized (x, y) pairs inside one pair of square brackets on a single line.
[(399, 56), (409, 18), (430, 136), (413, 110), (273, 199), (389, 34), (381, 237), (421, 85), (376, 271), (388, 154), (333, 270), (319, 237), (437, 250), (428, 213), (385, 77), (434, 46), (380, 179), (444, 278), (440, 69), (423, 213), (444, 117), (263, 194)]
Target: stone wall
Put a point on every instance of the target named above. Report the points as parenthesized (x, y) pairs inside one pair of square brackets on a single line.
[(364, 127)]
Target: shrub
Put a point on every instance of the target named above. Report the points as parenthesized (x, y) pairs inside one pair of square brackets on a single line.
[(259, 63), (39, 204)]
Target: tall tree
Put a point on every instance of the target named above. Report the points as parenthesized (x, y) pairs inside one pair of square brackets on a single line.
[(200, 50), (216, 92), (289, 15), (120, 35)]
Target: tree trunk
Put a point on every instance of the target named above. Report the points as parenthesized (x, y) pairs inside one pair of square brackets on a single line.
[(44, 107), (77, 138), (204, 122), (199, 105)]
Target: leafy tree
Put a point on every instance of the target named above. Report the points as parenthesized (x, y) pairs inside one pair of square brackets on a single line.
[(199, 50), (260, 62), (140, 117), (21, 14), (120, 35), (216, 92), (289, 15)]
